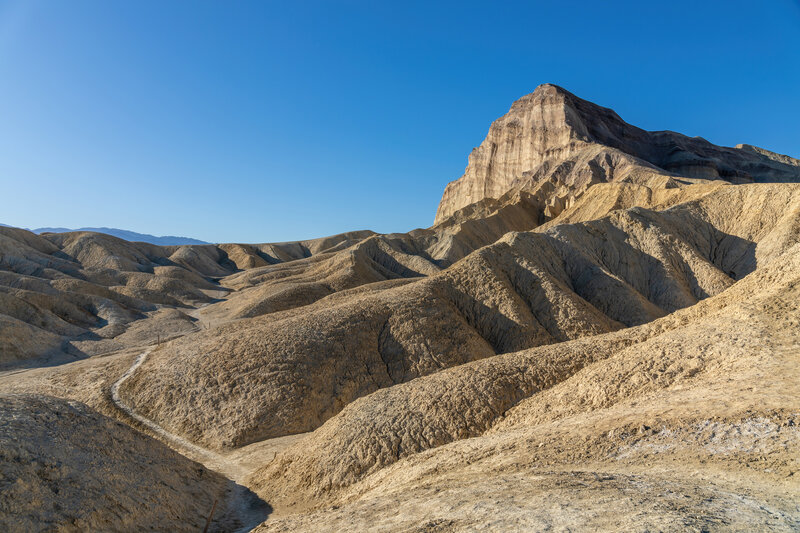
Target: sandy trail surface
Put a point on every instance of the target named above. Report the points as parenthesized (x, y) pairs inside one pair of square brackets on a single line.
[(243, 508)]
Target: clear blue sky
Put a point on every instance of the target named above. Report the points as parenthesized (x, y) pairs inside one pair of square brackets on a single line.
[(258, 121)]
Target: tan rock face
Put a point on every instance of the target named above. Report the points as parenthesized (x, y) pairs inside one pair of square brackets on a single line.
[(553, 135), (536, 128)]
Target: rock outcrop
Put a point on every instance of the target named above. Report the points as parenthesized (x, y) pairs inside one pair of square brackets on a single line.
[(552, 135)]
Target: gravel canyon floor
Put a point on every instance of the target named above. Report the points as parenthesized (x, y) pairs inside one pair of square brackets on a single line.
[(601, 331)]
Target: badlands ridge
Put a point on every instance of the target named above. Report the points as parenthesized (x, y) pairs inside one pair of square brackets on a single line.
[(601, 331)]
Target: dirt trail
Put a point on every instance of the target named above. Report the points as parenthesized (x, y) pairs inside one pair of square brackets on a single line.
[(243, 508)]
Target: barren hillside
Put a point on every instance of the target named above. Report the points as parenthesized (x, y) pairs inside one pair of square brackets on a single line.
[(53, 477), (526, 290), (600, 332)]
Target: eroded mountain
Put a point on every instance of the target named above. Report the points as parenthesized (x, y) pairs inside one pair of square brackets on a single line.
[(599, 332)]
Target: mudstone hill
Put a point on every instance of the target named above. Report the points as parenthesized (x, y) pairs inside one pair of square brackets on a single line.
[(601, 331)]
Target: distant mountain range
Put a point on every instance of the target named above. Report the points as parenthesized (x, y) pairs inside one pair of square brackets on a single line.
[(168, 240)]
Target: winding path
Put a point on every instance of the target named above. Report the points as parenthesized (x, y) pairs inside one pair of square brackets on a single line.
[(197, 452), (243, 505)]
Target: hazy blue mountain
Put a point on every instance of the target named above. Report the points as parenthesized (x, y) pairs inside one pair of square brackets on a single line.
[(168, 240)]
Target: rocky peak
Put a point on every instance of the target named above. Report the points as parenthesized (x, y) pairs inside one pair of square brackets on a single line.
[(552, 135)]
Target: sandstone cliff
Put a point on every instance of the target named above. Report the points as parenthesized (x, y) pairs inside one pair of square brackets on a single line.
[(552, 135)]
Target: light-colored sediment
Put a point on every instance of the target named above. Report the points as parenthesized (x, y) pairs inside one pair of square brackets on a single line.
[(600, 332)]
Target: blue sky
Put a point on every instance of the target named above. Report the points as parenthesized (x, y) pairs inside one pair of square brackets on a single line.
[(258, 121)]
